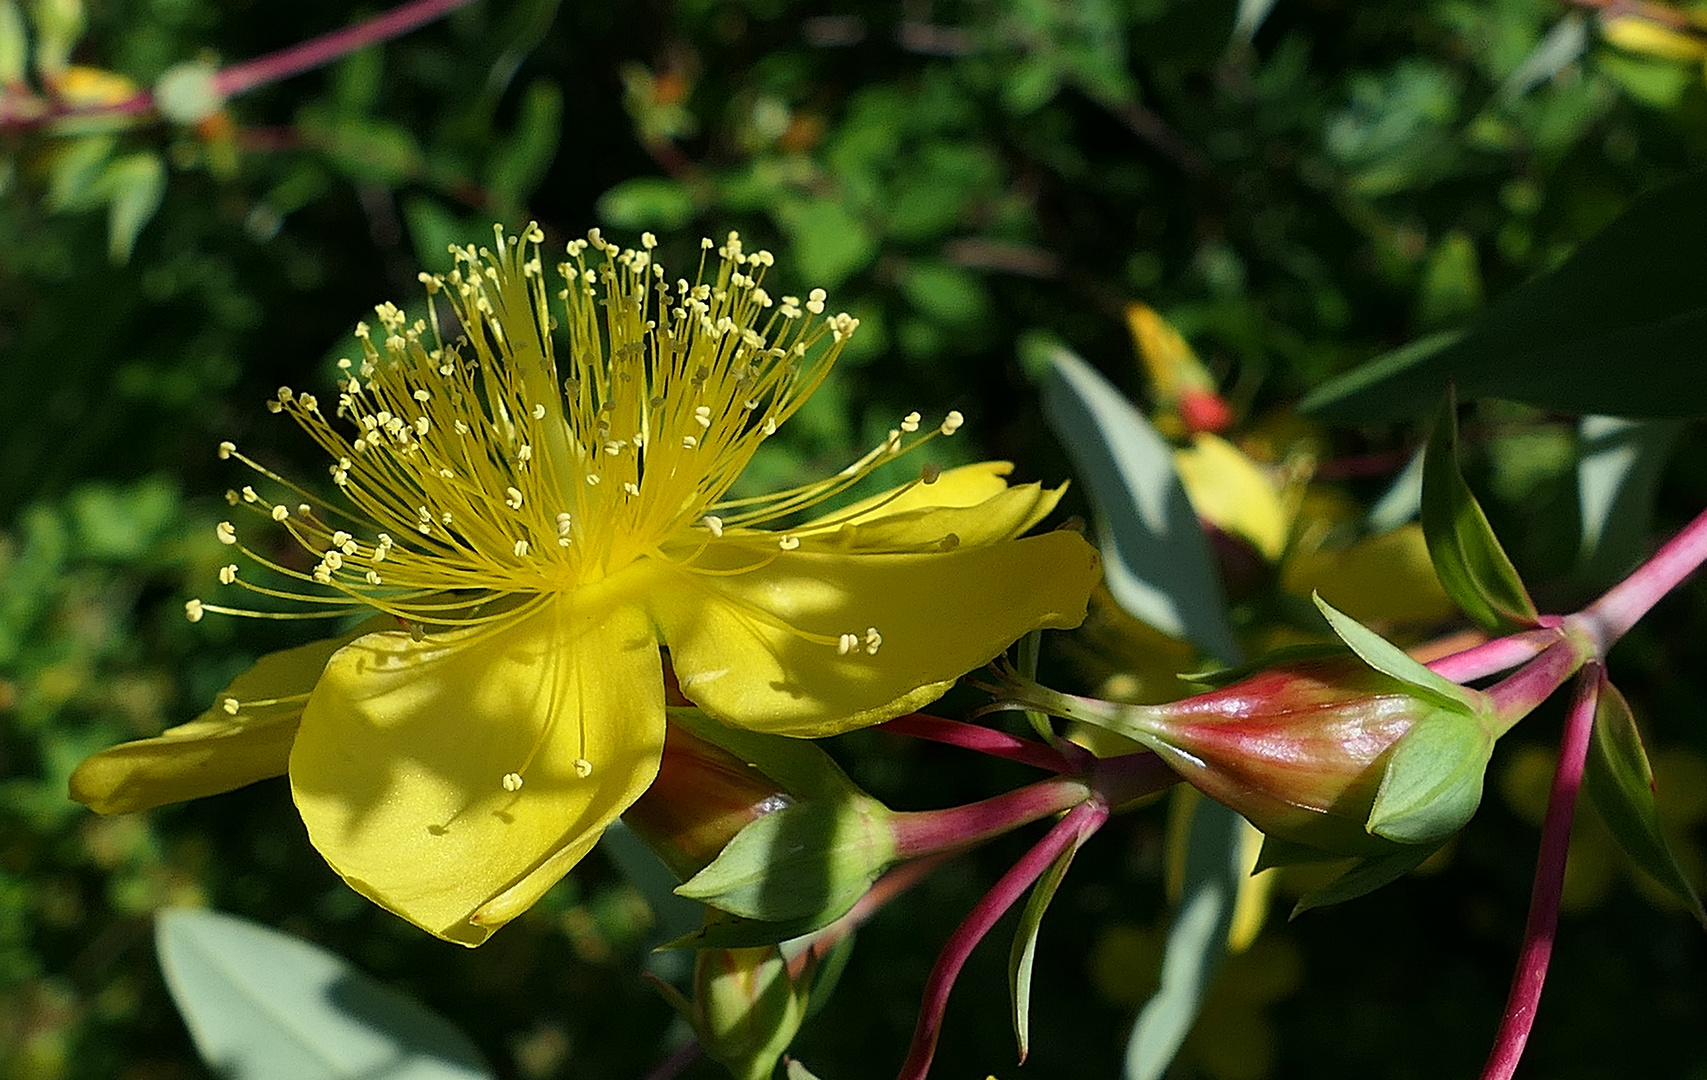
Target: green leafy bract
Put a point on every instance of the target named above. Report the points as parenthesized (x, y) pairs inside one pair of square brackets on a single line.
[(1024, 950), (1621, 783), (1389, 659), (1433, 781), (1468, 559)]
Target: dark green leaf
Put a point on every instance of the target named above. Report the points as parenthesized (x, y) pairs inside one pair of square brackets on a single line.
[(1618, 328), (1621, 783), (1278, 852), (1468, 559)]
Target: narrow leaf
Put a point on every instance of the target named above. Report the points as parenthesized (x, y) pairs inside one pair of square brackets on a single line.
[(262, 1005), (1156, 560), (1472, 566), (1433, 781), (1024, 951), (135, 185), (1621, 783), (1389, 659), (1197, 940)]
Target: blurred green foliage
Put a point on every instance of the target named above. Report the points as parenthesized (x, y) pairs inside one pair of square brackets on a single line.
[(1297, 189)]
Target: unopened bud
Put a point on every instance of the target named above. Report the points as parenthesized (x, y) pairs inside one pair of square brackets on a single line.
[(1299, 749), (702, 797), (747, 1008)]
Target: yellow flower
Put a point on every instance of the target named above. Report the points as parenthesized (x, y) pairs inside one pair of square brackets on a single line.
[(533, 511)]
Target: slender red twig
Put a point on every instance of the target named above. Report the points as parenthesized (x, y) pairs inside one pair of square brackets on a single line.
[(322, 50), (1611, 617), (1538, 933), (981, 739)]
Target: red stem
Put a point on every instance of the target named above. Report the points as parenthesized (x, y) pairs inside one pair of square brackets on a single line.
[(927, 832), (1492, 657), (1070, 831), (982, 739), (1538, 934), (1518, 694)]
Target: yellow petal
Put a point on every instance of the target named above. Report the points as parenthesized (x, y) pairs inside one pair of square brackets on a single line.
[(1002, 516), (967, 485), (215, 752), (406, 764), (1386, 578), (759, 649), (1233, 493)]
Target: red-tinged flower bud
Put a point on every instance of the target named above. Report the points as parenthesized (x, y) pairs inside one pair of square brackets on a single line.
[(1298, 749), (702, 797)]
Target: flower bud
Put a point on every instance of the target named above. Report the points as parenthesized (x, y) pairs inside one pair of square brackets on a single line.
[(1299, 749), (747, 1007)]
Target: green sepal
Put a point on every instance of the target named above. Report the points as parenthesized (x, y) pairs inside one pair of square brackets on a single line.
[(1433, 781), (1277, 852), (798, 765), (812, 860), (1468, 559), (1621, 783), (1024, 950), (1389, 659), (725, 931), (1364, 878)]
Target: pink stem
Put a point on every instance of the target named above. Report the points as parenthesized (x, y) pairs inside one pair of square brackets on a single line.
[(927, 832), (1070, 831), (1518, 694), (305, 56), (1494, 656), (326, 48), (982, 739), (1543, 921), (1611, 617)]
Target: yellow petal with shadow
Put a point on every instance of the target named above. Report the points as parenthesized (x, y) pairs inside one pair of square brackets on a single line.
[(758, 649), (1002, 516), (217, 751), (965, 485), (454, 780)]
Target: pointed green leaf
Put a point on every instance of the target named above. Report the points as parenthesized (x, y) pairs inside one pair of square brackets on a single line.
[(812, 860), (1277, 852), (1024, 951), (725, 931), (1468, 559), (1621, 783), (1367, 876), (1617, 328), (262, 1005), (1433, 781), (1389, 659)]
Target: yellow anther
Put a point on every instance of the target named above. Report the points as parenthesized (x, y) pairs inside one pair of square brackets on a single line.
[(873, 641), (521, 548), (226, 532), (226, 449), (193, 610), (788, 543), (847, 644), (583, 768), (228, 573), (231, 706), (910, 422), (280, 512), (714, 524), (512, 781), (951, 423), (513, 498)]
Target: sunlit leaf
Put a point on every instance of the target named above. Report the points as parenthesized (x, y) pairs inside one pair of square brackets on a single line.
[(1156, 560), (1433, 781), (1024, 951), (262, 1005), (1389, 659)]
